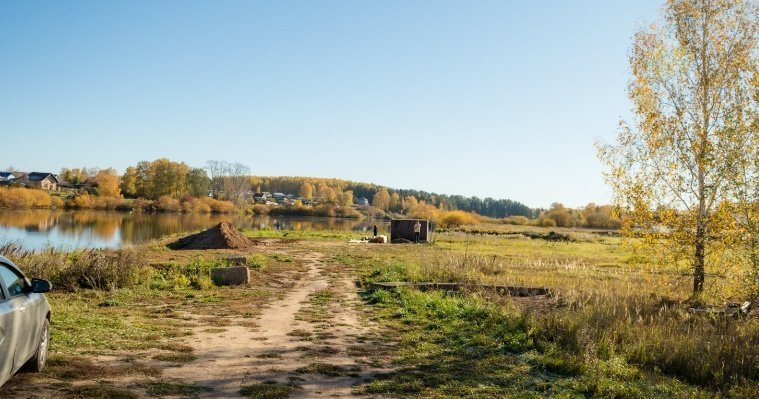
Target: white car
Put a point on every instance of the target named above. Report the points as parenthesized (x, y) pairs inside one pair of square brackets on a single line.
[(24, 321)]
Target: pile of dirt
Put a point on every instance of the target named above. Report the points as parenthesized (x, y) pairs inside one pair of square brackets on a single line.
[(221, 236)]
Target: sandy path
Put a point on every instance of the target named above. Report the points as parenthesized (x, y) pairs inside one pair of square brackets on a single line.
[(319, 347)]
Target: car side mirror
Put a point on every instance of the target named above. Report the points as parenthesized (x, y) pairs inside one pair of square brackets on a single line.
[(41, 286)]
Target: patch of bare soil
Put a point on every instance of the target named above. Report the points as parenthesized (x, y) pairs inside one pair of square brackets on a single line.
[(221, 236)]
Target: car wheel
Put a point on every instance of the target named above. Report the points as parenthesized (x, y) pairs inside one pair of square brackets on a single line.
[(37, 362)]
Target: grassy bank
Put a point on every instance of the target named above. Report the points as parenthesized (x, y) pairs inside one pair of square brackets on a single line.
[(454, 347), (126, 313), (24, 198), (617, 326)]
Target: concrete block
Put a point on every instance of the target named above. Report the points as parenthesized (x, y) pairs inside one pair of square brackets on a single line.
[(237, 260), (235, 275)]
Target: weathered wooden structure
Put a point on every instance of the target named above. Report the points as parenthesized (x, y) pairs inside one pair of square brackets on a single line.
[(404, 229)]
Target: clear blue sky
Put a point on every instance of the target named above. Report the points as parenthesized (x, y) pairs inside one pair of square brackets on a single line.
[(487, 98)]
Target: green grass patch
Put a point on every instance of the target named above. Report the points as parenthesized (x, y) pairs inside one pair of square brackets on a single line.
[(180, 357), (329, 370), (268, 390), (321, 235), (77, 368), (281, 257), (100, 391), (468, 347), (257, 261), (80, 324), (169, 388)]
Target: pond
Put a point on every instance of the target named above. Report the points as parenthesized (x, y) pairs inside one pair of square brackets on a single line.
[(38, 229)]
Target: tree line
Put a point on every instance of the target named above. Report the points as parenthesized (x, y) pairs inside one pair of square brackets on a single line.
[(232, 181), (388, 199), (164, 177)]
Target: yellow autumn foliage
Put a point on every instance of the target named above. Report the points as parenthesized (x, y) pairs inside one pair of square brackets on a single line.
[(457, 218)]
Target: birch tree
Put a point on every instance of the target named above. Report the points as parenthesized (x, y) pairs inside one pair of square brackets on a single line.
[(677, 169)]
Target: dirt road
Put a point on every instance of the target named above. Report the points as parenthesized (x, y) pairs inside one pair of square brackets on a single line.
[(312, 342)]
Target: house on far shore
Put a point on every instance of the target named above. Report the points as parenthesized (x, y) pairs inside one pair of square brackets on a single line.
[(260, 198), (279, 197), (40, 180), (63, 185), (361, 201), (6, 178)]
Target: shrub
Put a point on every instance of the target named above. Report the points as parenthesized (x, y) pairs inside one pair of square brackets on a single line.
[(545, 222), (57, 202), (562, 216), (88, 201), (102, 270), (202, 283), (95, 269), (84, 201), (299, 210), (24, 198), (424, 211), (110, 203), (142, 205), (40, 199), (194, 205), (602, 220), (516, 220), (347, 212), (166, 203), (325, 210), (375, 213), (14, 198), (219, 206), (260, 209), (181, 281), (457, 218)]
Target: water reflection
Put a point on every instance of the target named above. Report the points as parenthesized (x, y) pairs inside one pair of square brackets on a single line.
[(37, 229)]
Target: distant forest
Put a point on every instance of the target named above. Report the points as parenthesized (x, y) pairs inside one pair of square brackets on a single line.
[(497, 208)]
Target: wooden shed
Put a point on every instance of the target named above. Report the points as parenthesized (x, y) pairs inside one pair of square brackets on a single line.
[(404, 228)]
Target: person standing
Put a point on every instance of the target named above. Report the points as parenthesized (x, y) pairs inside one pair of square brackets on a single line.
[(417, 230), (374, 231)]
